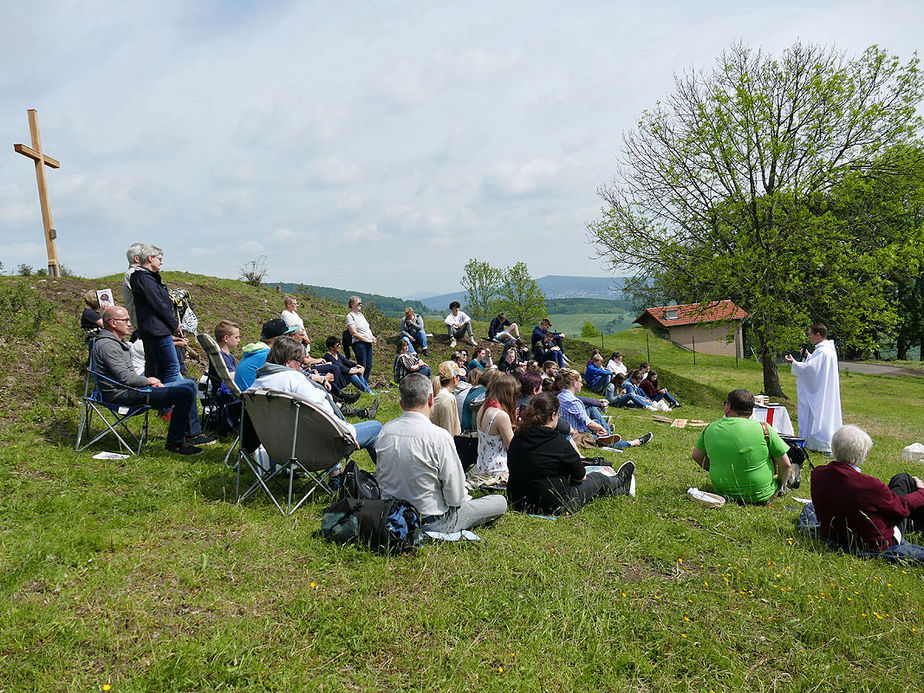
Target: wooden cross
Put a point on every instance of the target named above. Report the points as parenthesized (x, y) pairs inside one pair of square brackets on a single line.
[(41, 161)]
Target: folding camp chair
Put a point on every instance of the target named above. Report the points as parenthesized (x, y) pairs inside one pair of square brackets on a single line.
[(113, 417), (218, 403), (298, 436)]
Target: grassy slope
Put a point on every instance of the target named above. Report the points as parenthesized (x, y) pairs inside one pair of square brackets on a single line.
[(143, 575)]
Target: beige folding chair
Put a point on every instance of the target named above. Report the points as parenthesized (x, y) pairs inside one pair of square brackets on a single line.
[(210, 346), (298, 436)]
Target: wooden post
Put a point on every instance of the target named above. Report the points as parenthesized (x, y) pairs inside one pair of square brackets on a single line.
[(41, 161)]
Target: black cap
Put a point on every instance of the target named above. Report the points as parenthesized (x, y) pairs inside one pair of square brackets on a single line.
[(276, 328)]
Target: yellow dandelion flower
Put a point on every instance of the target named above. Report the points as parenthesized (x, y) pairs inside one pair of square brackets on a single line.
[(106, 687), (313, 584), (500, 670)]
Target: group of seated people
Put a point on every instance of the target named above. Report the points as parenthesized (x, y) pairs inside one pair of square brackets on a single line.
[(749, 462), (621, 388)]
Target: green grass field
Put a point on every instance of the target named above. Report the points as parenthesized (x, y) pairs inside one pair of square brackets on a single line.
[(570, 324), (143, 575)]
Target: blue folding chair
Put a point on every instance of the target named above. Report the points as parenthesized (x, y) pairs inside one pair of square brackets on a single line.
[(114, 418)]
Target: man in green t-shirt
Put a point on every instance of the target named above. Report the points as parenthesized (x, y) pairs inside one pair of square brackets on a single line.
[(737, 455)]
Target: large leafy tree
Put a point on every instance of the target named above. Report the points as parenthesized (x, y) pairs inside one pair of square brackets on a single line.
[(734, 187), (480, 282), (519, 296)]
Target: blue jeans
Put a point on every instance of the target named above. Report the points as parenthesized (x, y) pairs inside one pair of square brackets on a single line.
[(420, 338), (366, 434), (181, 395), (363, 351), (163, 351), (666, 395), (630, 400), (358, 381)]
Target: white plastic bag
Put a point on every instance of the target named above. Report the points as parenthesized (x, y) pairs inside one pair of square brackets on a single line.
[(913, 453)]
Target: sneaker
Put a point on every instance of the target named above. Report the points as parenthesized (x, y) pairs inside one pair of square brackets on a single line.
[(424, 352), (452, 343), (652, 407), (678, 405), (624, 478), (613, 438), (646, 438), (369, 412), (350, 397), (473, 341), (183, 448), (202, 439)]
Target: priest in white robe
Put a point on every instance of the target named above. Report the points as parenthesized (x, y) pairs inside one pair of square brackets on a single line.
[(818, 387)]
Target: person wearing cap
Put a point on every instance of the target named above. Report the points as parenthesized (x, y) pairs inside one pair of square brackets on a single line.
[(445, 412), (254, 355)]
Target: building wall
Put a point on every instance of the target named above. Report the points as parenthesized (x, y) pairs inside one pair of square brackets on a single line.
[(711, 338)]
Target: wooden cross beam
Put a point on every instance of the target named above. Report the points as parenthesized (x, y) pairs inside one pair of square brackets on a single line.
[(41, 161)]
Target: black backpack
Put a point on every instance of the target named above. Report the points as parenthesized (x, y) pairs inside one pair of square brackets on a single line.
[(386, 526), (358, 483)]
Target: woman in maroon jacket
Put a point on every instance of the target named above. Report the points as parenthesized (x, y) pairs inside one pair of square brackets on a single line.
[(653, 390), (857, 511)]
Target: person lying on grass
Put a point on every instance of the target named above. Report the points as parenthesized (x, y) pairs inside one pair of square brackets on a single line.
[(547, 474), (744, 463)]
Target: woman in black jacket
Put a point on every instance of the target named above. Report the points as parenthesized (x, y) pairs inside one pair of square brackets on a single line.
[(157, 322), (546, 473)]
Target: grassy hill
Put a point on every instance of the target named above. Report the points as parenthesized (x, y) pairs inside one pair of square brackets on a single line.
[(144, 575), (390, 305)]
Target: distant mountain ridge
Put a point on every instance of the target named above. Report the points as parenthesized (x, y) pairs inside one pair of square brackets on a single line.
[(553, 286)]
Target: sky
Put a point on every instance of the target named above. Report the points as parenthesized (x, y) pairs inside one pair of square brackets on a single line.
[(374, 146)]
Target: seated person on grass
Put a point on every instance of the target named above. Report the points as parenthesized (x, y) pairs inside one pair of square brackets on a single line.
[(418, 462), (444, 411), (617, 367), (458, 326), (653, 390), (545, 349), (346, 370), (282, 371), (508, 361), (539, 333), (573, 412), (502, 330), (743, 462), (412, 329), (859, 513), (481, 359), (114, 364), (633, 395), (547, 474), (407, 363), (466, 396), (599, 380), (290, 314)]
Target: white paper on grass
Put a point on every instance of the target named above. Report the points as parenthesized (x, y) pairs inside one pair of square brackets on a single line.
[(463, 535), (109, 456), (913, 452)]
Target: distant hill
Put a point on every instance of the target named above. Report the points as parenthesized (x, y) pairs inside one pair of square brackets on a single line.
[(553, 286), (392, 306)]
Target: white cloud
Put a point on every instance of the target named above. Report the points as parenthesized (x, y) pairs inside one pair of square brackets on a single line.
[(300, 129)]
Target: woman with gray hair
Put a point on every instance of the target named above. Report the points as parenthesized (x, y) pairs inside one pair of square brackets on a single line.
[(858, 512)]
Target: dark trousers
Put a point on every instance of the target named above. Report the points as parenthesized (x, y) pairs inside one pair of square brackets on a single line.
[(594, 486), (901, 485), (181, 395)]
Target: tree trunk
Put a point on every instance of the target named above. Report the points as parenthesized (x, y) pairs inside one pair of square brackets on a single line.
[(771, 374), (901, 346), (771, 377)]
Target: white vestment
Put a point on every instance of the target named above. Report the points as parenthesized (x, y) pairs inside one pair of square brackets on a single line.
[(818, 387)]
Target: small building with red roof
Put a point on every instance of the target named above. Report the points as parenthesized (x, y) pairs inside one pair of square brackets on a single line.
[(708, 328)]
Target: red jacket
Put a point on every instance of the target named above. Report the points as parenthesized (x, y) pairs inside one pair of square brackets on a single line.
[(855, 508)]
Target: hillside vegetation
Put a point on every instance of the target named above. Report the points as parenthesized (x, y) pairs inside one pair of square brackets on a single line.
[(143, 574)]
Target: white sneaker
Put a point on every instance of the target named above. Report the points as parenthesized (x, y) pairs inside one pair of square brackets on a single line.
[(473, 341), (452, 343), (652, 407)]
